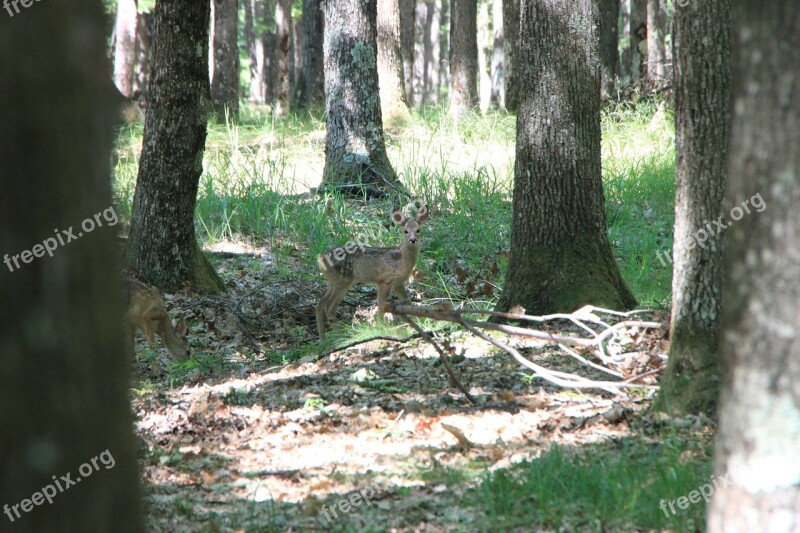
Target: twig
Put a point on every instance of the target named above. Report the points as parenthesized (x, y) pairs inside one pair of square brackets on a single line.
[(442, 356), (375, 338)]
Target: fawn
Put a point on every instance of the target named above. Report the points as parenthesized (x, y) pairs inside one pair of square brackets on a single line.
[(146, 311), (388, 268)]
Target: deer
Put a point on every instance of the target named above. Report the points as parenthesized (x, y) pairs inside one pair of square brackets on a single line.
[(388, 268), (147, 311)]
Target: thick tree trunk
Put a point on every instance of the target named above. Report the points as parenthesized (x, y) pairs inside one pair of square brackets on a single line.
[(407, 11), (638, 36), (125, 46), (498, 69), (702, 112), (561, 257), (63, 374), (390, 62), (162, 247), (255, 34), (294, 56), (464, 56), (625, 59), (310, 80), (609, 46), (144, 39), (355, 153), (283, 39), (759, 422), (511, 51), (656, 43), (225, 78)]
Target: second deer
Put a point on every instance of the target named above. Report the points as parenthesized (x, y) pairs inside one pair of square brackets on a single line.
[(388, 268), (146, 311)]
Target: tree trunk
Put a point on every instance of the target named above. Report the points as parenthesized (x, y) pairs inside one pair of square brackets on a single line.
[(407, 11), (444, 52), (638, 35), (390, 62), (225, 81), (144, 39), (609, 46), (63, 374), (255, 34), (484, 55), (656, 47), (418, 83), (294, 56), (162, 246), (355, 153), (125, 46), (702, 113), (498, 70), (759, 422), (511, 51), (561, 257), (310, 79), (464, 56), (625, 59), (430, 42), (283, 38)]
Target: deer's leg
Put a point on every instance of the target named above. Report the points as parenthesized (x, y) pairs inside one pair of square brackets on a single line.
[(383, 292), (322, 311), (398, 287)]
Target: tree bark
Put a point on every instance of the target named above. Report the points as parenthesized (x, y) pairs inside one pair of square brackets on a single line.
[(225, 80), (125, 46), (656, 45), (390, 62), (255, 34), (638, 36), (464, 56), (407, 11), (609, 46), (759, 422), (484, 56), (561, 257), (355, 152), (283, 38), (309, 89), (498, 69), (702, 113), (63, 374), (444, 52), (625, 59), (162, 247), (511, 51)]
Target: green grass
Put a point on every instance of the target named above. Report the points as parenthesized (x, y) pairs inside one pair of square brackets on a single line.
[(612, 487), (463, 168)]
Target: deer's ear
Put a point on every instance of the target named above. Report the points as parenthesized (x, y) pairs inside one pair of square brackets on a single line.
[(398, 217), (180, 327), (422, 214)]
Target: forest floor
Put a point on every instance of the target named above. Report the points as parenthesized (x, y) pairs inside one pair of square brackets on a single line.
[(264, 429)]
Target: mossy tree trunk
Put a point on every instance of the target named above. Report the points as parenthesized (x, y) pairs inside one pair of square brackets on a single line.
[(63, 371), (560, 253), (759, 414), (355, 152), (463, 56), (394, 104), (162, 247), (225, 79), (702, 113)]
